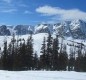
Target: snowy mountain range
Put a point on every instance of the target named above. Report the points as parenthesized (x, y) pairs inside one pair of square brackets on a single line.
[(75, 29)]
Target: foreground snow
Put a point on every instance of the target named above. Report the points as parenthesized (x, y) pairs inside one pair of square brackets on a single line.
[(41, 75)]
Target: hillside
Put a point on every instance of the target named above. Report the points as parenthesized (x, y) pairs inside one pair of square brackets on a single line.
[(38, 39)]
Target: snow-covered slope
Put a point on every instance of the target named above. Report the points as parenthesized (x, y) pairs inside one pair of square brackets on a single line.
[(43, 28), (38, 39)]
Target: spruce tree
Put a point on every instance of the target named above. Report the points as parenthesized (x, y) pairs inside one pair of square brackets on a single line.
[(55, 54), (71, 61), (10, 58), (13, 40), (49, 52), (23, 56), (5, 57), (63, 59), (35, 61), (29, 53), (43, 57), (78, 61)]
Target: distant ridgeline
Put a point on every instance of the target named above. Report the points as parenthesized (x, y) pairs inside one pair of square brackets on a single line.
[(75, 29)]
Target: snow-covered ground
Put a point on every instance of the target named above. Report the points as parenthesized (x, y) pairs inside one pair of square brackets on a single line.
[(41, 75)]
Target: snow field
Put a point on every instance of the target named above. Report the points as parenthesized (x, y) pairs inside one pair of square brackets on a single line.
[(41, 75)]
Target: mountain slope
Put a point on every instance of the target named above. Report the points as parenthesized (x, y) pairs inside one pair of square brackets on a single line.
[(23, 29), (75, 29), (43, 28), (4, 30)]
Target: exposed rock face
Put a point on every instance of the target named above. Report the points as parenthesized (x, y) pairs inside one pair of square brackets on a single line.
[(4, 30), (23, 29), (75, 29)]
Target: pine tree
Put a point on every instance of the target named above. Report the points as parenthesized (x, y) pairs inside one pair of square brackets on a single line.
[(20, 56), (13, 40), (23, 56), (0, 59), (29, 53), (83, 63), (55, 54), (78, 61), (5, 57), (63, 59), (10, 59), (49, 52), (35, 61), (43, 59), (16, 58), (43, 49), (71, 62)]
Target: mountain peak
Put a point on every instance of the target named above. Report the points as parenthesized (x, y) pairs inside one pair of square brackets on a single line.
[(42, 28)]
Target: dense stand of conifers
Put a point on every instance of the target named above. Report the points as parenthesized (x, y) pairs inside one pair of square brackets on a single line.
[(19, 55)]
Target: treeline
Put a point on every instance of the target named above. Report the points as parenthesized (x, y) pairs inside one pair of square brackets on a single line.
[(19, 55)]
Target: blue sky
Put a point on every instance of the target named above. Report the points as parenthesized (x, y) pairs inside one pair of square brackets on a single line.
[(13, 12)]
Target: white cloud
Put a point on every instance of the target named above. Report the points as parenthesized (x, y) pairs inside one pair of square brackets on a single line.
[(48, 10), (63, 14)]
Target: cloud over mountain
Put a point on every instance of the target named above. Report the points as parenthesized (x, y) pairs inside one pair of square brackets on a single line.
[(63, 14)]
